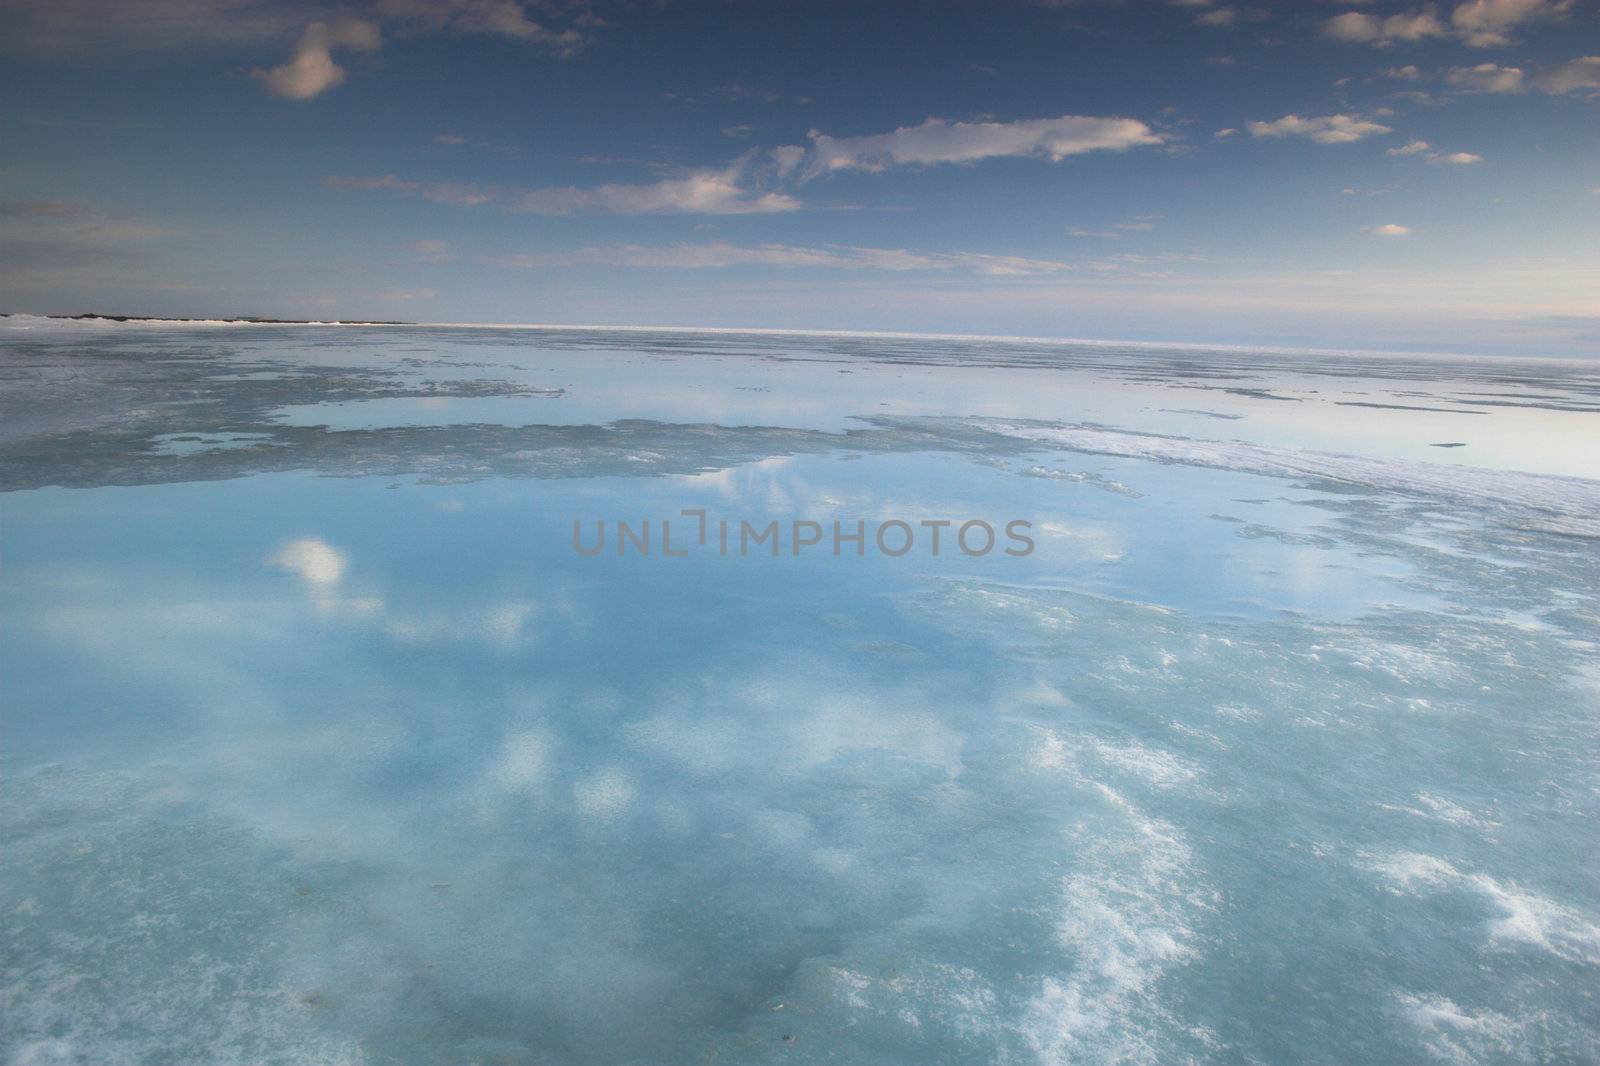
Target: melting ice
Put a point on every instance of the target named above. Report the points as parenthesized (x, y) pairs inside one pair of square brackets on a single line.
[(322, 745)]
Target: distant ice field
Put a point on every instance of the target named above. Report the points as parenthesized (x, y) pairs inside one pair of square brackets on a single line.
[(322, 744)]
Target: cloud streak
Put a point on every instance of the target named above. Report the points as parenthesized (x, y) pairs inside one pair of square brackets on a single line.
[(1325, 129), (1487, 78), (744, 186), (702, 192), (937, 141), (57, 235), (1573, 76), (500, 18), (719, 254)]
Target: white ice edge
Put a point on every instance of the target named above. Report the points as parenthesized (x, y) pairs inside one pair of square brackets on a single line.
[(1551, 502)]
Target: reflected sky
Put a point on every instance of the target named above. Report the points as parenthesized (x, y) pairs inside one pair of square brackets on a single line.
[(328, 747)]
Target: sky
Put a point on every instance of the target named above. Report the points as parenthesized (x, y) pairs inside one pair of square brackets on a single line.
[(1309, 173)]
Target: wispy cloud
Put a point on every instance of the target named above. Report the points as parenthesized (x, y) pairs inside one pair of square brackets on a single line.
[(1410, 148), (54, 235), (705, 192), (939, 140), (433, 251), (1425, 149), (461, 194), (744, 186), (1388, 229), (718, 254), (1220, 16), (1324, 129), (1573, 76), (500, 18), (65, 26), (722, 191)]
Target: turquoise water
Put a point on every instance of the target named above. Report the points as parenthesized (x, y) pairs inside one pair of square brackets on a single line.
[(323, 744)]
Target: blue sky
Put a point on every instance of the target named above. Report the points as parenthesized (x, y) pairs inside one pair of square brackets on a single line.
[(1310, 173)]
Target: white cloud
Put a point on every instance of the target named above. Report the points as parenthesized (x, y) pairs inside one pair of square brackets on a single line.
[(321, 568), (785, 159), (1388, 229), (738, 189), (1413, 148), (1484, 23), (311, 70), (746, 185), (719, 254), (705, 192), (1570, 76), (1478, 23), (1487, 78), (1423, 147), (314, 561), (1409, 72), (1326, 129), (940, 141), (1222, 16), (1360, 27)]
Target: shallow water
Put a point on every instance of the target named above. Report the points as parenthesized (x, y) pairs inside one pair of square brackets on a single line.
[(322, 744)]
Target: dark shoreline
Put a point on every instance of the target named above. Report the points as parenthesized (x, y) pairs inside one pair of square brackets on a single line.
[(251, 320)]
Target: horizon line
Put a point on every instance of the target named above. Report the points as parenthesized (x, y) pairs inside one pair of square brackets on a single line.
[(261, 320)]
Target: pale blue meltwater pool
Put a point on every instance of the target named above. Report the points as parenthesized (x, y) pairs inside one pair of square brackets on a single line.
[(323, 744)]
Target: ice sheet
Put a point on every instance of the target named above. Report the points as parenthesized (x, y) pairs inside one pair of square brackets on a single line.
[(323, 745)]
